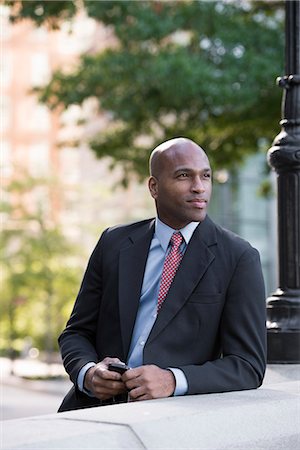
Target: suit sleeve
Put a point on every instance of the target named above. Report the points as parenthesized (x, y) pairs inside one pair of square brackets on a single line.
[(242, 334), (77, 341)]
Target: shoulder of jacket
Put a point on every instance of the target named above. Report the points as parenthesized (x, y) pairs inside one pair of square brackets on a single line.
[(125, 229), (232, 239), (128, 227)]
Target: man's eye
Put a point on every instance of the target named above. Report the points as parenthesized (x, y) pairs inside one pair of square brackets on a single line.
[(207, 175), (183, 175)]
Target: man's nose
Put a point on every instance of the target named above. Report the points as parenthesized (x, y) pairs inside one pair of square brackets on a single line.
[(198, 185)]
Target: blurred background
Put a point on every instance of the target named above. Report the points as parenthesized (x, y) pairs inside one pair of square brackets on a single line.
[(88, 89)]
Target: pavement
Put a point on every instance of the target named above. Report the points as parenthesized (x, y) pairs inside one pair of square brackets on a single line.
[(35, 375), (53, 378)]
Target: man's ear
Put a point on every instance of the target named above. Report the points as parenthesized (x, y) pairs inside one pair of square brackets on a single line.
[(153, 187)]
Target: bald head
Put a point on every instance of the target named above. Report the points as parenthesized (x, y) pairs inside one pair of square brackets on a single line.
[(163, 152), (180, 182)]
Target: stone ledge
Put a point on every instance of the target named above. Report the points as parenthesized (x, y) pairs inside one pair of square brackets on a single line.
[(267, 418)]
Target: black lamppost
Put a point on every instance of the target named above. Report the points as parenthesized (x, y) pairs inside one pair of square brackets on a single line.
[(283, 306)]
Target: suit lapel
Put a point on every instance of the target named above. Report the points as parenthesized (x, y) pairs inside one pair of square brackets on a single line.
[(132, 262), (195, 262)]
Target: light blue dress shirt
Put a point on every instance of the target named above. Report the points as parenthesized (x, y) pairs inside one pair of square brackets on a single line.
[(146, 314)]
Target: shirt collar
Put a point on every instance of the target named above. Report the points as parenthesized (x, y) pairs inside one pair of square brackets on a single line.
[(163, 232)]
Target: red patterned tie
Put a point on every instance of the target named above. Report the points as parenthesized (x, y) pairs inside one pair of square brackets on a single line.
[(171, 265)]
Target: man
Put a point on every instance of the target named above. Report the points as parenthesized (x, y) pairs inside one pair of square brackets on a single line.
[(189, 319)]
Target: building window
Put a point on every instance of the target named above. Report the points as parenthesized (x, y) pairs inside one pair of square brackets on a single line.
[(6, 159), (6, 69), (5, 112), (39, 160), (40, 200), (70, 165), (40, 118), (5, 28), (40, 69)]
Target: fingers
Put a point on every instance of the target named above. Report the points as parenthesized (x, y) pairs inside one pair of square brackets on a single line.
[(143, 383), (103, 383), (137, 395), (108, 388), (102, 372), (132, 374), (147, 382), (138, 383), (106, 361)]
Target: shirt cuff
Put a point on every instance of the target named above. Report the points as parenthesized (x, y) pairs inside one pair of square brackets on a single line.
[(80, 378), (181, 387)]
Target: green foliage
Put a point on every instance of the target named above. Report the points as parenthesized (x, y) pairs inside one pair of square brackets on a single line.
[(205, 70), (39, 277), (42, 11)]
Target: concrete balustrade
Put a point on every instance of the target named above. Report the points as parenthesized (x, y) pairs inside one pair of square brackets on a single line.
[(267, 418)]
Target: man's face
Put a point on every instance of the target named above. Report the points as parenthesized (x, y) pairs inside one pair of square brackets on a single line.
[(182, 186)]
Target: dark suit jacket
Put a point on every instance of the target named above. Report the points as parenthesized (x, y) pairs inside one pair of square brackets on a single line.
[(211, 325)]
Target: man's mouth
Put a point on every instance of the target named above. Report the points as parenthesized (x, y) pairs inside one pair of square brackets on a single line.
[(198, 202)]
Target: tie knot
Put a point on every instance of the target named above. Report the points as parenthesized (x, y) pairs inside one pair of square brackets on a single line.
[(176, 239)]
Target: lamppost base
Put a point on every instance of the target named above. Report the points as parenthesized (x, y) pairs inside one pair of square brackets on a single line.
[(283, 347), (283, 327)]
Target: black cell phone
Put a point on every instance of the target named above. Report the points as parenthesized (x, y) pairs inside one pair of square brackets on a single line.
[(119, 367)]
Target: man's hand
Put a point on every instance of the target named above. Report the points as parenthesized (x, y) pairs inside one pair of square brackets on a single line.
[(148, 382), (103, 383)]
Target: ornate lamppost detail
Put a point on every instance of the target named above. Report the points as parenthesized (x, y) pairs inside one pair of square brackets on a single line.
[(283, 306)]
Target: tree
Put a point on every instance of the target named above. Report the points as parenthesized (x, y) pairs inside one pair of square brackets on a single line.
[(201, 69), (39, 276)]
